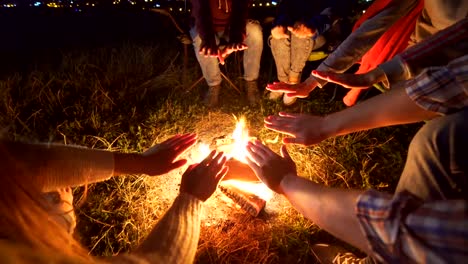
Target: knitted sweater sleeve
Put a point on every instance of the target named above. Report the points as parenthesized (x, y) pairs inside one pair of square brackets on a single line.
[(174, 239), (52, 166)]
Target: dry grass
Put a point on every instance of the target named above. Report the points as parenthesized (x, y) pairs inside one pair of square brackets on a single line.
[(129, 98)]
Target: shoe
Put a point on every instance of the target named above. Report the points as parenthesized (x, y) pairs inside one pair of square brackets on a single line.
[(212, 96), (252, 92), (327, 254), (289, 100), (275, 96), (292, 80)]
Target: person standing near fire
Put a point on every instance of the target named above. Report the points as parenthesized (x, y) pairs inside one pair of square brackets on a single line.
[(298, 30), (35, 229), (221, 27)]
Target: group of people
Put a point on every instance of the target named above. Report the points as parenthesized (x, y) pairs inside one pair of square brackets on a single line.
[(222, 27), (425, 220)]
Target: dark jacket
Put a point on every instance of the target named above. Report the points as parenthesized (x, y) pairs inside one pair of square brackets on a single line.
[(308, 12)]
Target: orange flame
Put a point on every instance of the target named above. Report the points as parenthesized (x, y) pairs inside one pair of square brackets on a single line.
[(238, 151)]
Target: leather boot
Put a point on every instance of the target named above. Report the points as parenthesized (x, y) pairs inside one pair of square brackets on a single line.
[(212, 96), (252, 92)]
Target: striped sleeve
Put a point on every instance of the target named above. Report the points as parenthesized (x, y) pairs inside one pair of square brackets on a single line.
[(441, 89), (404, 229)]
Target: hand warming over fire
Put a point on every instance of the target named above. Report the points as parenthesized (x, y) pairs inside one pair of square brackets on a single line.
[(300, 90), (269, 167), (349, 80), (162, 158), (201, 180), (303, 129)]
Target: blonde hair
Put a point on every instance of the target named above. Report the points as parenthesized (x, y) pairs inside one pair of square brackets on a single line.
[(24, 221)]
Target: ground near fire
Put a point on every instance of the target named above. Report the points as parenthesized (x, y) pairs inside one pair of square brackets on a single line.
[(129, 96)]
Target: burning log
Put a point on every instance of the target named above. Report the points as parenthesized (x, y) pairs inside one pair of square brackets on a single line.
[(249, 202), (240, 171)]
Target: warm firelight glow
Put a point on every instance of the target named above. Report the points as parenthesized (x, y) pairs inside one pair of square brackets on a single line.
[(241, 138), (238, 150), (257, 188)]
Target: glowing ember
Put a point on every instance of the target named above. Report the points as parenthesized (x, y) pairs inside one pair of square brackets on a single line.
[(257, 188)]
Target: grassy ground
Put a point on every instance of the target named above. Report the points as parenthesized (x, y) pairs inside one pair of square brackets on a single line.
[(130, 97)]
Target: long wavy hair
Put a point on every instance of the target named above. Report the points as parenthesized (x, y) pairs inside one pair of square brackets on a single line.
[(24, 222)]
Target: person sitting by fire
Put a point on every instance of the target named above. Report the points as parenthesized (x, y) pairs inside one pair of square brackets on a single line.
[(298, 29), (215, 22), (386, 29), (37, 229), (426, 219)]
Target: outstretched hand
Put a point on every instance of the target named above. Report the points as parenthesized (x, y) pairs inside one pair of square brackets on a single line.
[(300, 90), (303, 129), (230, 48), (269, 167), (349, 80), (201, 180), (209, 49), (163, 157)]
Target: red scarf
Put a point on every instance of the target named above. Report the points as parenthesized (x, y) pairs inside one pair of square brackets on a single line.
[(392, 42)]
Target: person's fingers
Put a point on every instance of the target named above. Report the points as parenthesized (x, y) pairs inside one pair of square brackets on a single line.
[(290, 115), (255, 156), (219, 177), (293, 140), (190, 168), (280, 129), (284, 153), (178, 164), (207, 160), (253, 165)]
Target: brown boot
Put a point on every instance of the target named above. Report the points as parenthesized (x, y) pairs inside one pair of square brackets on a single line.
[(212, 96), (252, 92)]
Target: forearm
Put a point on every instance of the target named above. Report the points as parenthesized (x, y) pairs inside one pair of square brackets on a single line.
[(52, 166), (331, 209), (364, 37), (438, 50), (203, 20), (238, 20), (175, 237), (391, 108)]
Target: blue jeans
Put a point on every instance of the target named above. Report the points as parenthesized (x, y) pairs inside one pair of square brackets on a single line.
[(252, 55), (437, 163), (291, 54)]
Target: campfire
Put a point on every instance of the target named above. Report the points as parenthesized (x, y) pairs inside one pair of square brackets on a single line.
[(241, 184)]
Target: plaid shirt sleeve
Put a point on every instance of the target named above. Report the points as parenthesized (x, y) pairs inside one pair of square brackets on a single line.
[(437, 50), (404, 229), (441, 89)]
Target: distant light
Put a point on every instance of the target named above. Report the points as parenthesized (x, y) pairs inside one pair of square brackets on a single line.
[(170, 9), (180, 9), (146, 1), (260, 4), (37, 3), (274, 3), (253, 5), (267, 4), (157, 5), (363, 11), (92, 4)]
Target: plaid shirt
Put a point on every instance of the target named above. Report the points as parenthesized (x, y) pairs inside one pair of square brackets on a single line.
[(404, 229), (441, 89)]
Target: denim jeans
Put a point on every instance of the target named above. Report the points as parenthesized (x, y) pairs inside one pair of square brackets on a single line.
[(291, 54), (437, 163), (251, 60)]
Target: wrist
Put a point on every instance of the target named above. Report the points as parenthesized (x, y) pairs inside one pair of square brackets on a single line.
[(331, 126), (128, 163), (286, 182)]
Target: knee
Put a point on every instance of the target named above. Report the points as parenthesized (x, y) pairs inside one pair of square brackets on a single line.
[(254, 32), (444, 136)]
